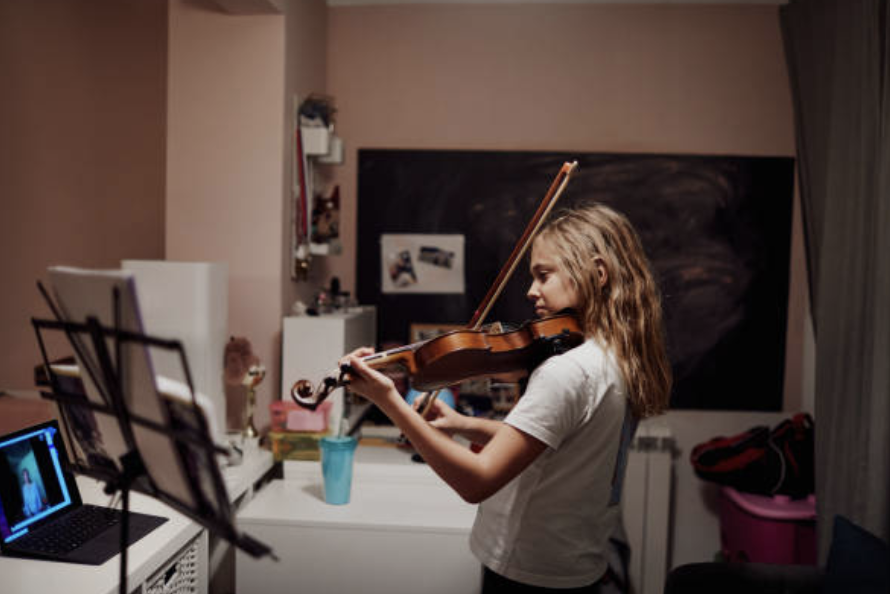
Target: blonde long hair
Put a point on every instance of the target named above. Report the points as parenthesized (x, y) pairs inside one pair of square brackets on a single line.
[(624, 312)]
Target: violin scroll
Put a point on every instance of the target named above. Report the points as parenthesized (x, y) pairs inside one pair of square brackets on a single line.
[(306, 396)]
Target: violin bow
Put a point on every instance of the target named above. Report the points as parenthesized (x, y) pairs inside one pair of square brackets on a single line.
[(557, 187)]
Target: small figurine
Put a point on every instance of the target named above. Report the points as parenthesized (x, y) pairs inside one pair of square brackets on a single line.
[(254, 376), (243, 367)]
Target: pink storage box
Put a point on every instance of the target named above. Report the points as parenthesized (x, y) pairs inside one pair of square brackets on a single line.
[(767, 529), (289, 416)]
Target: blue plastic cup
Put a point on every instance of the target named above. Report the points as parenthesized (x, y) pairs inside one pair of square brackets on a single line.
[(337, 454)]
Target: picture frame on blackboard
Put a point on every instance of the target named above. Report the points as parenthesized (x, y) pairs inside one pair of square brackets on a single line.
[(428, 263)]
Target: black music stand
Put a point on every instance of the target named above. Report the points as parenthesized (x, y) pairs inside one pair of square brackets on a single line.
[(197, 490)]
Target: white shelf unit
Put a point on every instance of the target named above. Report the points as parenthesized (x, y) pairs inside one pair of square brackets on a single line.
[(312, 345)]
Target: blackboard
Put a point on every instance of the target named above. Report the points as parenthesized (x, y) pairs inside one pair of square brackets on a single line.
[(716, 229)]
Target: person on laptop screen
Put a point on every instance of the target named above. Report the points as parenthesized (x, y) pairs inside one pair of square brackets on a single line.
[(33, 500)]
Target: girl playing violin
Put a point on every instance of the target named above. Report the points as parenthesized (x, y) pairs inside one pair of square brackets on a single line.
[(549, 476)]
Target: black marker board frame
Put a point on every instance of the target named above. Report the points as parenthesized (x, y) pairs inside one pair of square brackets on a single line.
[(717, 230)]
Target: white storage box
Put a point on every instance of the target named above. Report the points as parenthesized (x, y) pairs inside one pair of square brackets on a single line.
[(316, 140)]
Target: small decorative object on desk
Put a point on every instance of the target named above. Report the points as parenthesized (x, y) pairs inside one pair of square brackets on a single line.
[(299, 308), (243, 367), (296, 431)]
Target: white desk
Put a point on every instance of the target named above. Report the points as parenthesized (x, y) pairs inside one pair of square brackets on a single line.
[(403, 531), (241, 484), (147, 557)]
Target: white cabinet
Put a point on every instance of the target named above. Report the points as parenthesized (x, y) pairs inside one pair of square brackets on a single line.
[(187, 301), (403, 531), (312, 345)]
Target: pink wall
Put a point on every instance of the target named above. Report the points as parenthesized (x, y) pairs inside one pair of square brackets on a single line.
[(685, 79), (229, 112), (633, 78), (86, 104), (224, 163), (82, 114), (305, 73)]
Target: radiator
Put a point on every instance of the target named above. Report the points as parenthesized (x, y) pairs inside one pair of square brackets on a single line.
[(646, 507)]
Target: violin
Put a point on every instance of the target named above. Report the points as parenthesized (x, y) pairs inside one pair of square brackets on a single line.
[(469, 353), (461, 355)]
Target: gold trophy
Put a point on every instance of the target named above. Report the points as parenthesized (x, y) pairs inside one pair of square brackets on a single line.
[(251, 380)]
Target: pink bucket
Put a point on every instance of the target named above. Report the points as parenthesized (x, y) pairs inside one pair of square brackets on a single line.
[(765, 529)]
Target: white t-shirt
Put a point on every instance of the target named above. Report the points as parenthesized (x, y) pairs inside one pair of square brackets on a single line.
[(550, 525)]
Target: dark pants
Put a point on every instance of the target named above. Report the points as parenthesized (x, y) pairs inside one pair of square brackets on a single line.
[(493, 583)]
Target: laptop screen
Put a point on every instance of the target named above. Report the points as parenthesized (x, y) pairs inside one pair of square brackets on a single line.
[(34, 486)]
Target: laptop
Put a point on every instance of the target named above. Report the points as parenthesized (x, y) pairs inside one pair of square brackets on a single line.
[(41, 512)]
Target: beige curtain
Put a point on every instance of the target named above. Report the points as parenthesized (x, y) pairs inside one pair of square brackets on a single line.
[(838, 58)]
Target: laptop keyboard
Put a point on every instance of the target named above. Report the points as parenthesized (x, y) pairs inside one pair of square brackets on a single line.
[(70, 531)]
